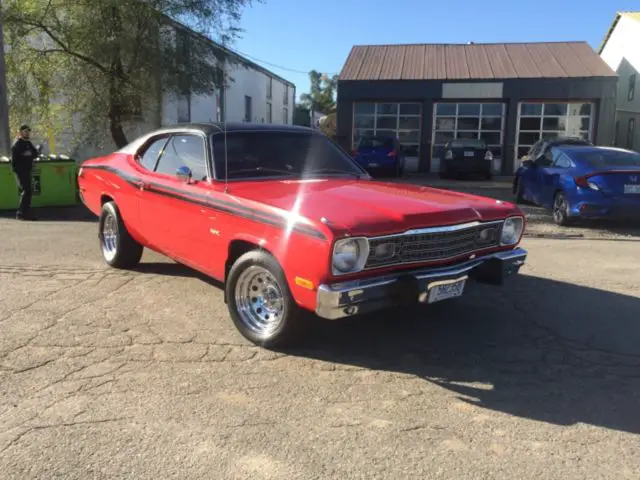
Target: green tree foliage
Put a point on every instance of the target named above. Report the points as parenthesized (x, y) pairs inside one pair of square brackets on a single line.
[(106, 62), (321, 98)]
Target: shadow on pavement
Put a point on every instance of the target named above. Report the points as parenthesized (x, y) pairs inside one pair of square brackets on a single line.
[(74, 213), (535, 349)]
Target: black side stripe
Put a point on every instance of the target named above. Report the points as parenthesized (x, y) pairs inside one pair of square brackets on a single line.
[(205, 201)]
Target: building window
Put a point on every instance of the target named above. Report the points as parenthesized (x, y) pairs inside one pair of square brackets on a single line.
[(285, 100), (550, 120), (397, 120), (484, 121), (269, 88), (247, 109), (631, 133), (269, 113), (285, 115), (632, 87)]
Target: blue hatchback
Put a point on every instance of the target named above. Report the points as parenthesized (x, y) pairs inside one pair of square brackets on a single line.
[(582, 182), (380, 155)]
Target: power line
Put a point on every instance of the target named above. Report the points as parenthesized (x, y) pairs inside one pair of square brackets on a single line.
[(273, 65)]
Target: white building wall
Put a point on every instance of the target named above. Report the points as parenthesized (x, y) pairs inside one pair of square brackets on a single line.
[(622, 54)]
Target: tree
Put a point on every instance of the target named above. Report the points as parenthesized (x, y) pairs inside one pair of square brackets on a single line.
[(321, 98), (112, 59)]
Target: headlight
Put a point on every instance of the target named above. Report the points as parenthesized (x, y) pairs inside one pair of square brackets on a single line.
[(349, 255), (512, 230)]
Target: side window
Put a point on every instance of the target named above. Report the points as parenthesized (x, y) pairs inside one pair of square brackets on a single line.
[(184, 150), (150, 155), (560, 160), (546, 159)]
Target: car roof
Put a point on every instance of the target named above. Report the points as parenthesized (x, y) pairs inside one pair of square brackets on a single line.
[(591, 149), (218, 127)]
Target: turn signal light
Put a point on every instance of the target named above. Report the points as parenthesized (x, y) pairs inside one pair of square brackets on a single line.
[(392, 153)]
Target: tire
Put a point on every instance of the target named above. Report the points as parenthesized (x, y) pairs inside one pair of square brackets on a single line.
[(284, 318), (561, 210), (119, 249)]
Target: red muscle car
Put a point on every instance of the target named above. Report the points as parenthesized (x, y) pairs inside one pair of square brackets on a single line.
[(292, 224)]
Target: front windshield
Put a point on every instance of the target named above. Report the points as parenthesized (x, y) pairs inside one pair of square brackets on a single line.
[(609, 158), (466, 142), (274, 154)]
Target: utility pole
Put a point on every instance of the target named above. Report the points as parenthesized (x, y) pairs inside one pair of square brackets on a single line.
[(5, 146)]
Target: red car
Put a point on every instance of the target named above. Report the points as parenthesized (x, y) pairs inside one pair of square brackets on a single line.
[(292, 224)]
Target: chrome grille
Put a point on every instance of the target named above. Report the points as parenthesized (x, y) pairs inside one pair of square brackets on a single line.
[(431, 244)]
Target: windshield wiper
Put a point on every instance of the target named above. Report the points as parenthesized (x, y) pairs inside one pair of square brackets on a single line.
[(336, 171)]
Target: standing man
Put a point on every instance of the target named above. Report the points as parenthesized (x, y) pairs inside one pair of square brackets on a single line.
[(23, 154)]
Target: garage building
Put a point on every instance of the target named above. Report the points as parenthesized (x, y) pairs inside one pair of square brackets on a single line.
[(509, 95)]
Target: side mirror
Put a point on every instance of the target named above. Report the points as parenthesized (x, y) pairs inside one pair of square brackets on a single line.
[(184, 173)]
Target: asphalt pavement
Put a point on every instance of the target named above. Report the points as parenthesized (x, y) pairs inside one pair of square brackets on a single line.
[(111, 374)]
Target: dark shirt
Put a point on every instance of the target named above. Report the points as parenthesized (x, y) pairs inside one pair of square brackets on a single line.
[(23, 154)]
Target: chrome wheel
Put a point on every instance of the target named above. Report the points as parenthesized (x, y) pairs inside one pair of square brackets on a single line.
[(109, 237), (560, 209), (259, 300)]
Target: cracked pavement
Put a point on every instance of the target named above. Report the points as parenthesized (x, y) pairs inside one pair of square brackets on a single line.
[(111, 374)]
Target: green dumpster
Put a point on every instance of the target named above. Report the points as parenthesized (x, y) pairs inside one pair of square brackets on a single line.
[(8, 187), (54, 181)]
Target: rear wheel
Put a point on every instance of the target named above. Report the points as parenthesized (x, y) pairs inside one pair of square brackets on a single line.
[(259, 300), (119, 249), (561, 210)]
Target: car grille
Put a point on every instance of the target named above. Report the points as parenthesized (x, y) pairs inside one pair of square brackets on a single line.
[(432, 244)]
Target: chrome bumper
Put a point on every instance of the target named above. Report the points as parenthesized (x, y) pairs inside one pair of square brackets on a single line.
[(356, 297)]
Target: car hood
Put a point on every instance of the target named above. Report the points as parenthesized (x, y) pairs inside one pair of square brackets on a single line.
[(362, 207)]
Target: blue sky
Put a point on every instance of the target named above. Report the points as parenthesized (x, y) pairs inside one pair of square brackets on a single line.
[(302, 35)]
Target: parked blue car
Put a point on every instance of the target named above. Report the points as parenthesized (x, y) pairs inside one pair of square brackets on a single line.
[(380, 155), (582, 182)]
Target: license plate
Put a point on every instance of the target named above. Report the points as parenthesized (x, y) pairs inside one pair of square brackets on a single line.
[(373, 164), (468, 154), (445, 289), (632, 189)]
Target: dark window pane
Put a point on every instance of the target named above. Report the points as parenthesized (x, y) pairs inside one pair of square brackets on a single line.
[(585, 109), (552, 135), (410, 150), (468, 123), (497, 151), (286, 154), (443, 137), (470, 109), (446, 109), (530, 123), (387, 122), (522, 151), (150, 156), (493, 109), (386, 133), (468, 135), (492, 123), (528, 138), (363, 121), (409, 123), (410, 109), (362, 132), (554, 123), (363, 108), (555, 109), (584, 123), (531, 109), (584, 135), (387, 109), (445, 123), (580, 109), (409, 137), (491, 138)]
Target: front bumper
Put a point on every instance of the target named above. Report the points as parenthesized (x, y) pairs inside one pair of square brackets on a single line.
[(356, 297)]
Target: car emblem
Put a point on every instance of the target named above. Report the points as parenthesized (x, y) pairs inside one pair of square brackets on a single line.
[(634, 179)]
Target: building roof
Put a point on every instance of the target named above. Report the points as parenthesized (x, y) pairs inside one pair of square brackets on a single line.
[(474, 61), (632, 15)]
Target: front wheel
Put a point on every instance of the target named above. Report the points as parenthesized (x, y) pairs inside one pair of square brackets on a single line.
[(119, 249), (259, 300), (561, 210)]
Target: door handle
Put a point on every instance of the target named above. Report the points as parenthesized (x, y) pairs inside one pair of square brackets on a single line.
[(140, 184)]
